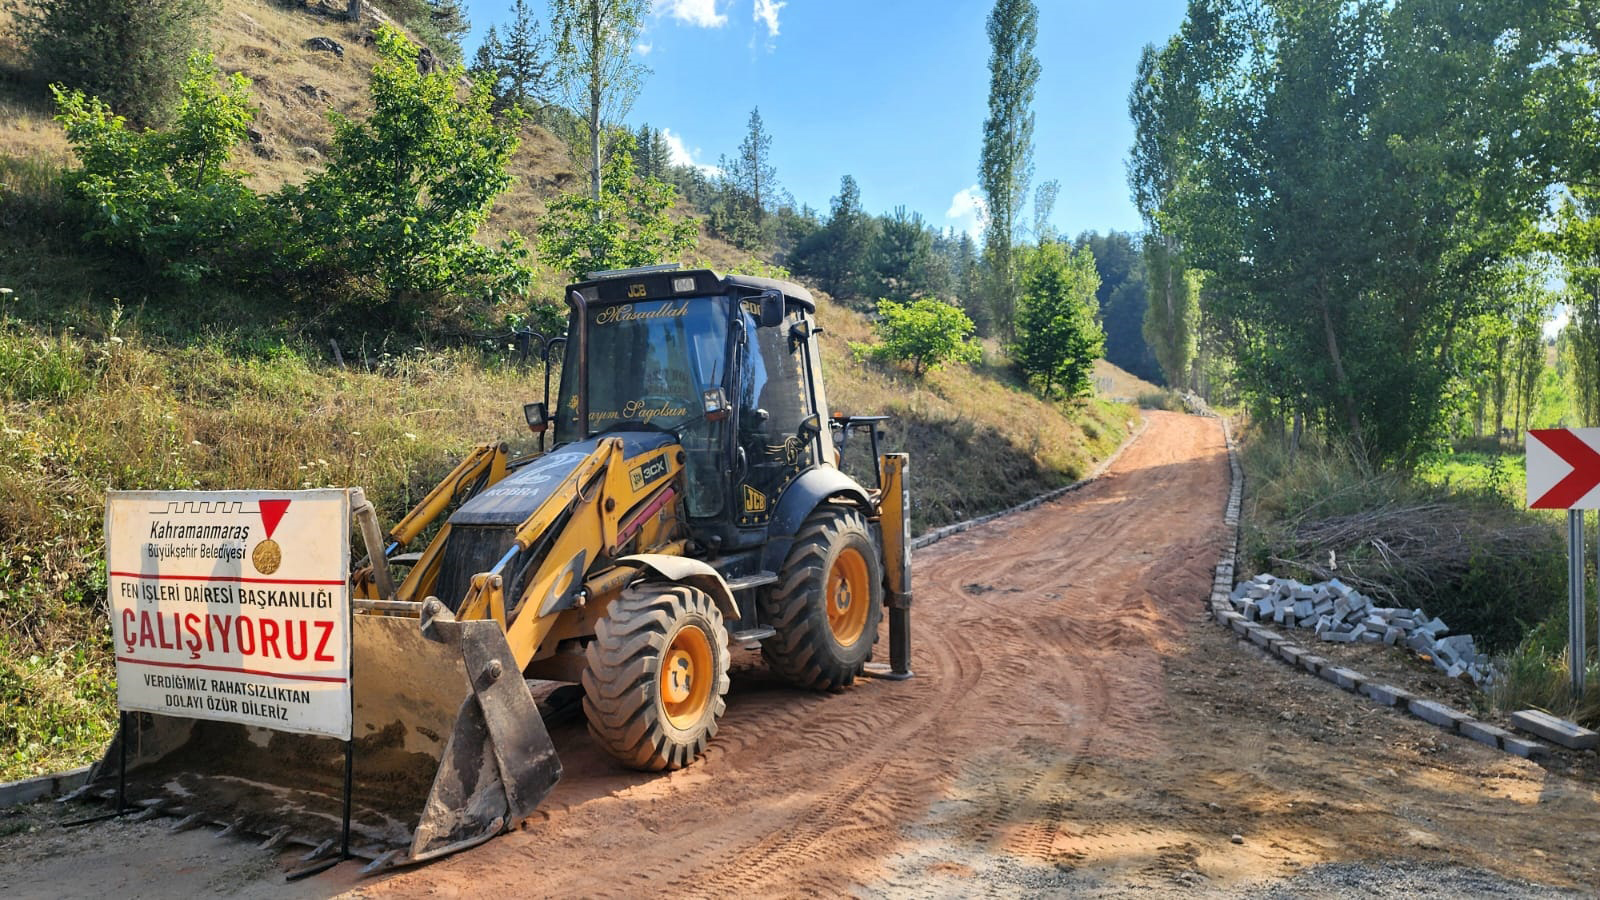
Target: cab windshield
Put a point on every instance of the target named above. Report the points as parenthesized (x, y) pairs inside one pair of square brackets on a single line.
[(649, 362)]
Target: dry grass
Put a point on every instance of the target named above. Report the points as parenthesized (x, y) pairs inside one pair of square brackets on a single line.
[(81, 416), (1117, 383)]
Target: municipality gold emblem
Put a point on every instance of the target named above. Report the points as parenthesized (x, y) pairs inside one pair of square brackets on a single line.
[(266, 557)]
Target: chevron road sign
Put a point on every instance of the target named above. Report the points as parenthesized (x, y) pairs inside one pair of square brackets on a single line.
[(1563, 468)]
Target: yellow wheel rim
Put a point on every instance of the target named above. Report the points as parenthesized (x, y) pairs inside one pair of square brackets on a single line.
[(848, 596), (686, 677)]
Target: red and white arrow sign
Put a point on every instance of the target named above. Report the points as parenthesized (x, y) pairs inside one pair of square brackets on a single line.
[(1563, 468)]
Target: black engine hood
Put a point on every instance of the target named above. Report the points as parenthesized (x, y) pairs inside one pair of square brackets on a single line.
[(513, 499)]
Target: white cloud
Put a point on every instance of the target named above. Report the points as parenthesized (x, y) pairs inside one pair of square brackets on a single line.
[(967, 211), (681, 155), (766, 12), (702, 13), (643, 49)]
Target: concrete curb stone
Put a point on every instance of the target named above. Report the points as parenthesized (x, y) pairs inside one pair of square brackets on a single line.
[(42, 787)]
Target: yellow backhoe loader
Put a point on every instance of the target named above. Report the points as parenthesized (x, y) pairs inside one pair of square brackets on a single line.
[(691, 500)]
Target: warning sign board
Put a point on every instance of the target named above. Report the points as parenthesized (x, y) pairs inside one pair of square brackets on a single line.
[(232, 605)]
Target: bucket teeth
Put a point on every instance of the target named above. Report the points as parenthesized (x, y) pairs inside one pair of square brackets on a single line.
[(276, 838), (383, 861), (319, 851), (192, 820)]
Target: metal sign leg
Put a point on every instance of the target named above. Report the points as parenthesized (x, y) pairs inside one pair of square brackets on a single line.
[(1576, 644)]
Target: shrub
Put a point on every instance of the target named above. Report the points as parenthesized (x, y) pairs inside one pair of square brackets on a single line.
[(131, 57), (167, 196), (631, 225), (393, 218), (928, 333)]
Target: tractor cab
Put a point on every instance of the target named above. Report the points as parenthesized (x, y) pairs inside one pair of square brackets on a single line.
[(728, 365)]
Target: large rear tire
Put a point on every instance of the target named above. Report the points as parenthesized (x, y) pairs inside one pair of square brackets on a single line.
[(656, 676), (827, 603)]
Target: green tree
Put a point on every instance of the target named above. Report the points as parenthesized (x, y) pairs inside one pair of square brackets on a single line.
[(488, 64), (596, 69), (1058, 334), (1172, 313), (753, 169), (130, 55), (1345, 177), (1576, 243), (1121, 298), (633, 226), (904, 265), (396, 212), (839, 255), (1006, 167), (1162, 105), (926, 333), (439, 24), (652, 155), (525, 60), (167, 196)]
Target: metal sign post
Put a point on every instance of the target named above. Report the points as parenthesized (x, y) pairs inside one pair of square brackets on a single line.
[(1564, 473), (1575, 600)]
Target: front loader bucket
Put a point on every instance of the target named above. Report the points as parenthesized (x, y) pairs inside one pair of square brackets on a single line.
[(448, 751)]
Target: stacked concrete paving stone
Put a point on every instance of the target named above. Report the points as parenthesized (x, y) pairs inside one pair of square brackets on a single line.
[(1338, 612), (1222, 609)]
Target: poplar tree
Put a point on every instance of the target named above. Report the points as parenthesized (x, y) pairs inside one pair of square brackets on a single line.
[(1006, 168), (596, 69)]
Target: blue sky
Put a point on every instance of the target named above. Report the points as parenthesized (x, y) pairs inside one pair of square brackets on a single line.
[(893, 92)]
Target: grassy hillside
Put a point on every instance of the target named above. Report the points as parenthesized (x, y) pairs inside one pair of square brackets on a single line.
[(108, 381)]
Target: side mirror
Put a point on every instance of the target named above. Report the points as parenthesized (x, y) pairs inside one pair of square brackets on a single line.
[(715, 403), (810, 428), (537, 417), (771, 309)]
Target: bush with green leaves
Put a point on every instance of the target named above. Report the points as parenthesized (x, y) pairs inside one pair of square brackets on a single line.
[(630, 225), (132, 57), (167, 196), (1058, 329), (391, 223), (927, 333)]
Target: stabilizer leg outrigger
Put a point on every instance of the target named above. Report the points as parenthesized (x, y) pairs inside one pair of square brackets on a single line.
[(499, 763)]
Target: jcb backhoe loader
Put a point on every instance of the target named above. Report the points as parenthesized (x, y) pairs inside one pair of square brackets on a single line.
[(691, 501)]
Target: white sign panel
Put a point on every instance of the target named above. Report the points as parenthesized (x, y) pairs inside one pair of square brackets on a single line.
[(1563, 468), (233, 605)]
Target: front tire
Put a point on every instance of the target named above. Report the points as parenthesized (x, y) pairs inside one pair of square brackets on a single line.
[(828, 603), (656, 677)]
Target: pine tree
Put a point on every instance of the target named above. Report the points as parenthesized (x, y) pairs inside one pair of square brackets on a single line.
[(486, 64), (839, 255), (903, 260), (1007, 162), (755, 173), (132, 57), (525, 58)]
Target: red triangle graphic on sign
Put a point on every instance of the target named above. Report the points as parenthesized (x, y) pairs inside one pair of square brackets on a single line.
[(272, 513)]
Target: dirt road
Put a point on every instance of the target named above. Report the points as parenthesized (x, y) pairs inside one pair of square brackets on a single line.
[(1074, 726)]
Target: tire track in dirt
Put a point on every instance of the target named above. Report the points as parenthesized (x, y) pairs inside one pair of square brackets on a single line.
[(1036, 643)]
